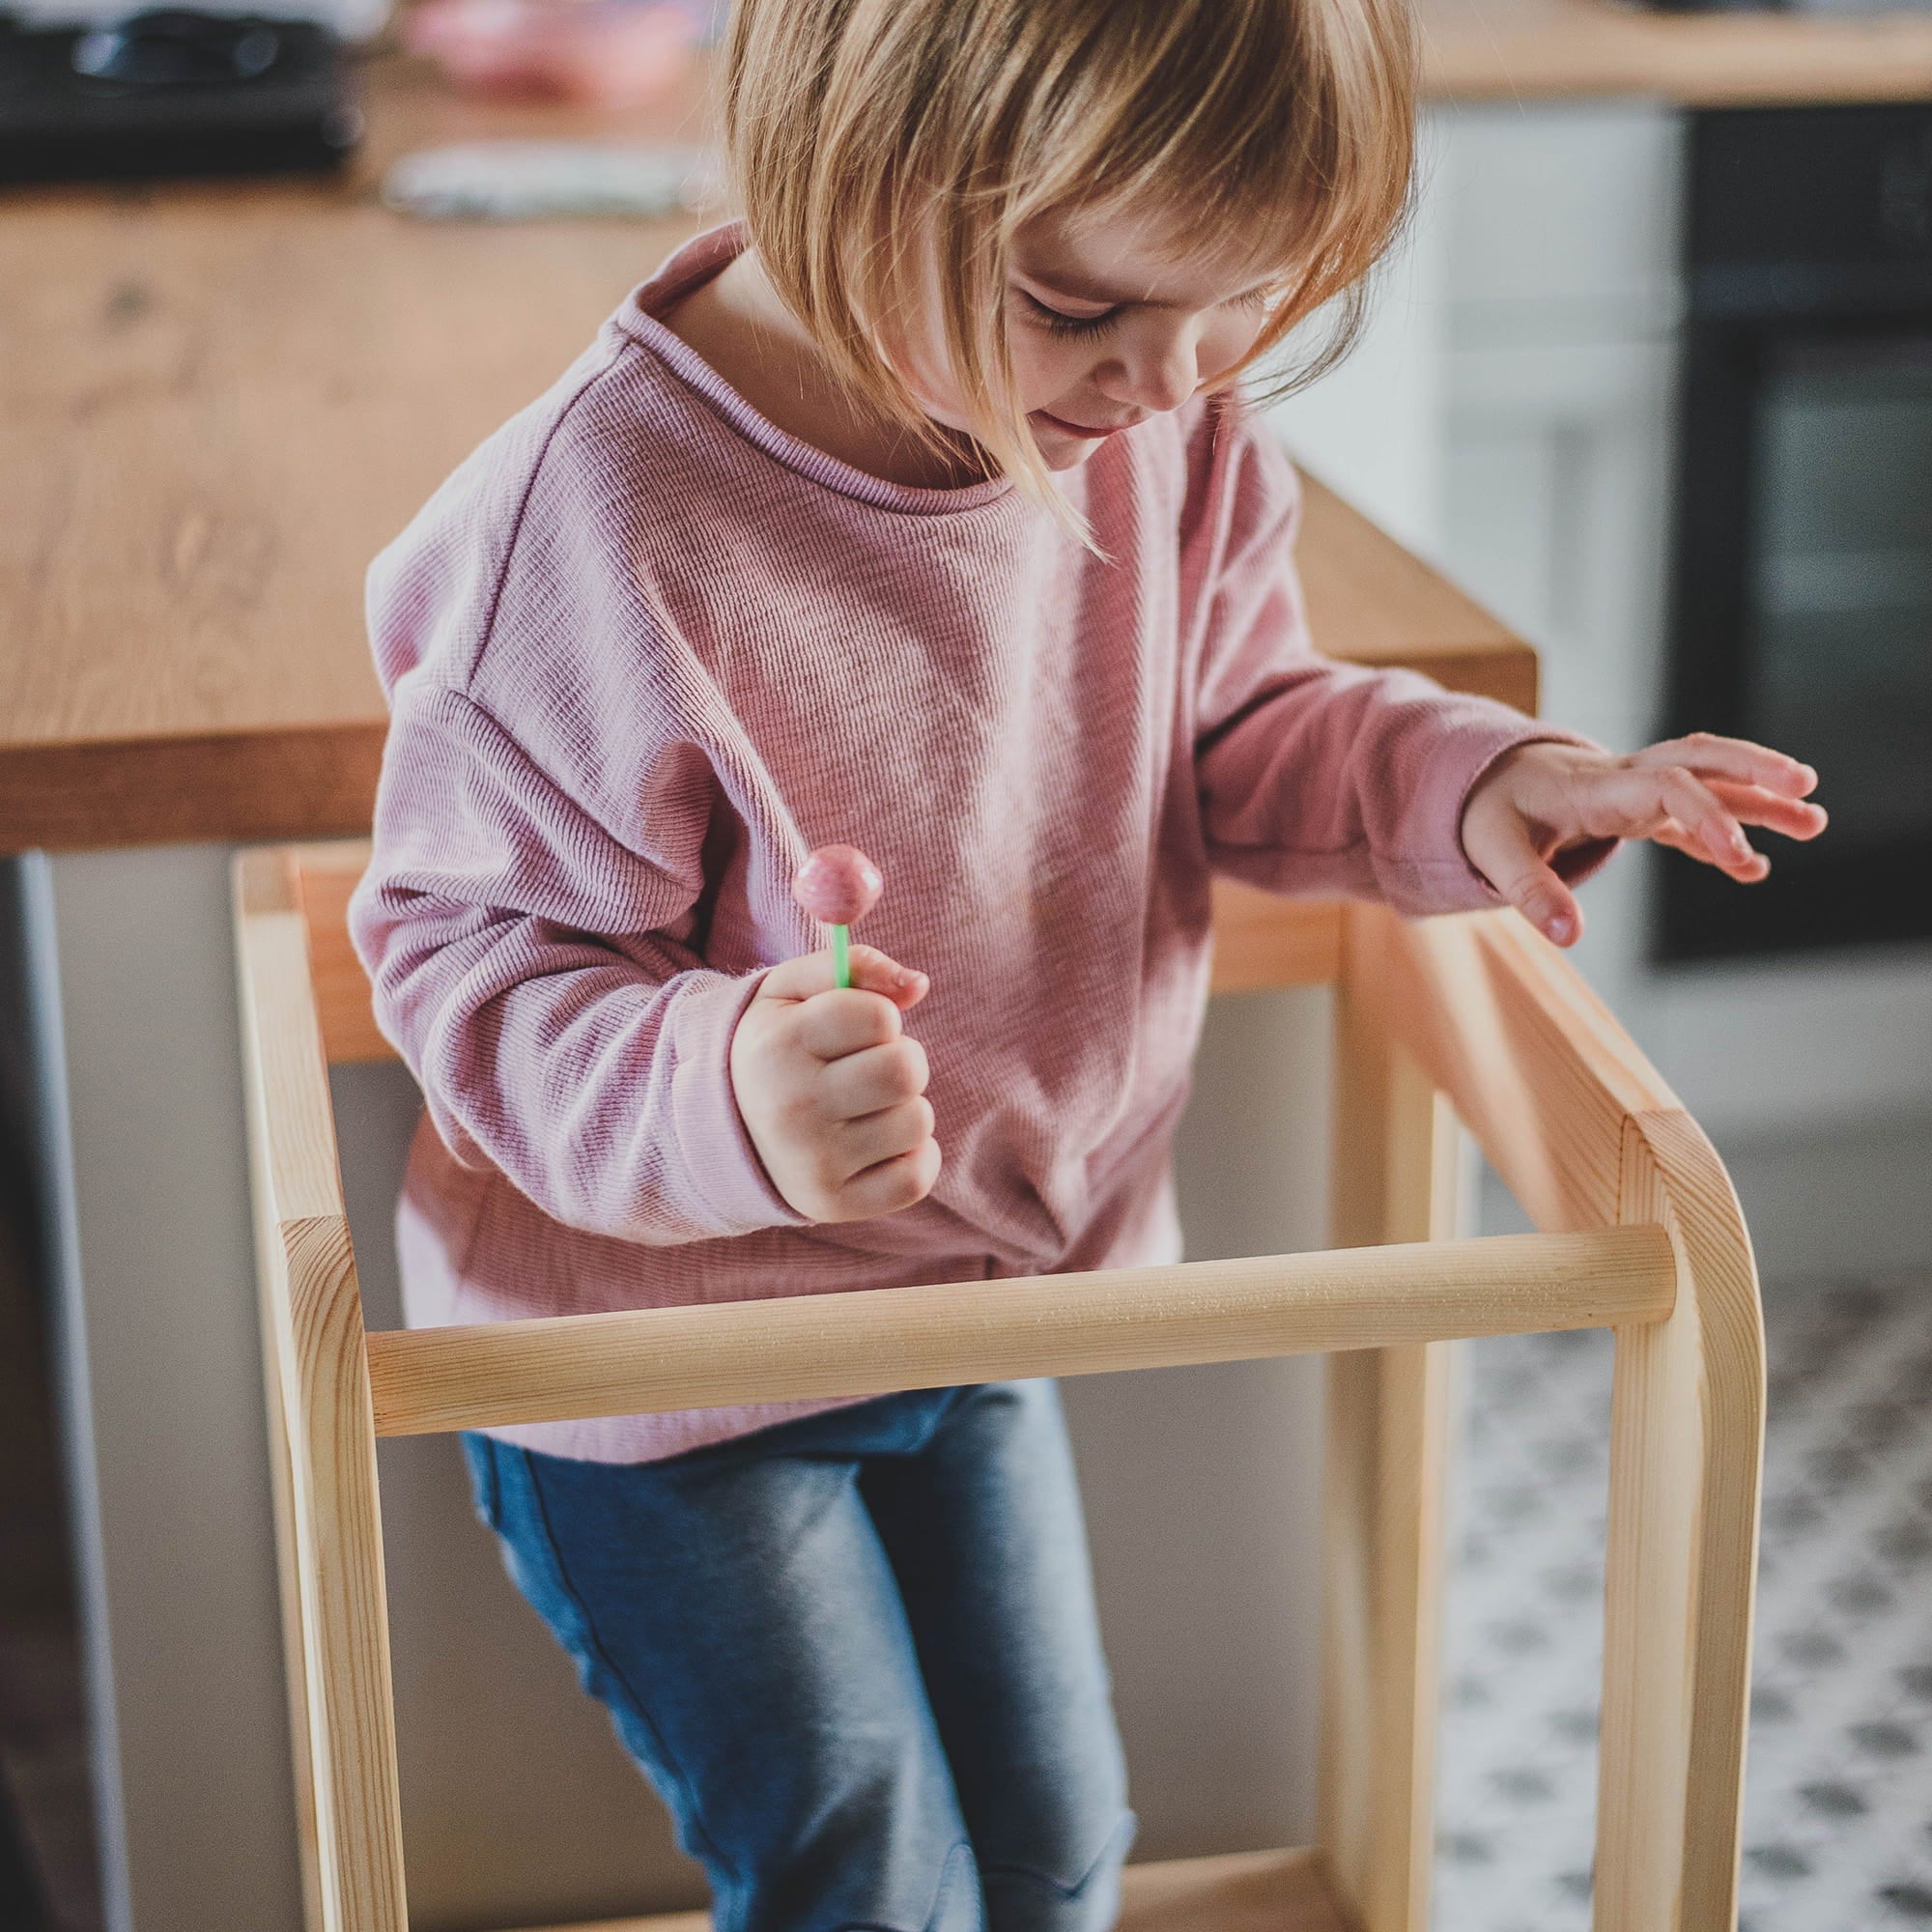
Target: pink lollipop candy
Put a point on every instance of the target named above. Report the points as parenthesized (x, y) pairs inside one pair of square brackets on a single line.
[(837, 885)]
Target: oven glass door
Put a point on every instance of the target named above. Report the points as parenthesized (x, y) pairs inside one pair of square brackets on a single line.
[(1804, 619)]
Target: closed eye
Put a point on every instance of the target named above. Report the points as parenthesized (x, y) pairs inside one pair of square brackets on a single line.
[(1056, 322)]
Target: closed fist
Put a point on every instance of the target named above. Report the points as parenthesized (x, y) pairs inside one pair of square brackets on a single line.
[(832, 1091)]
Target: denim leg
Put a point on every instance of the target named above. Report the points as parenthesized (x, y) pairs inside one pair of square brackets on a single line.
[(734, 1610), (985, 1533)]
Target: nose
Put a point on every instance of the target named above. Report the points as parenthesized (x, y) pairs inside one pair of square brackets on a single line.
[(1156, 371)]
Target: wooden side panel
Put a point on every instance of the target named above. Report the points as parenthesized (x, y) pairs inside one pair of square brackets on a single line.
[(320, 1373), (271, 885), (1534, 1063), (287, 1562), (326, 875), (1587, 1135), (1394, 1181), (1687, 1430), (1263, 941)]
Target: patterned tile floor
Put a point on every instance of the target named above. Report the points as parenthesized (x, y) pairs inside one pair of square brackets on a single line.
[(1838, 1792)]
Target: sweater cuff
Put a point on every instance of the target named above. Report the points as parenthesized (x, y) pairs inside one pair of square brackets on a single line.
[(1448, 882), (714, 1149)]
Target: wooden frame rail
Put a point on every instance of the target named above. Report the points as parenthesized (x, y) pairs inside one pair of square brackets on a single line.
[(1471, 1018), (872, 1341)]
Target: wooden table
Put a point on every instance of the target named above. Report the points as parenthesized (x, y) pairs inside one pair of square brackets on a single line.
[(215, 403), (1542, 50), (218, 404)]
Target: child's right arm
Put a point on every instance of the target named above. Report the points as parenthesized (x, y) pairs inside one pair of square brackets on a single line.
[(539, 978)]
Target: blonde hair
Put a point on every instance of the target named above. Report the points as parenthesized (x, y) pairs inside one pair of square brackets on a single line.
[(885, 152)]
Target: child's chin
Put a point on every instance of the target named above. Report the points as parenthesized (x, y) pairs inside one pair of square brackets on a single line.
[(1066, 452)]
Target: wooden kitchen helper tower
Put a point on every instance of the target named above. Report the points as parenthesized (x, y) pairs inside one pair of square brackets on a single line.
[(1471, 1019)]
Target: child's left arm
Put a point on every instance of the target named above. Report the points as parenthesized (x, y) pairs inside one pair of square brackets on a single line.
[(1318, 775), (1695, 794)]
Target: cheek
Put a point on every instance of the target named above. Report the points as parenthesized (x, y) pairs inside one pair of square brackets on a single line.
[(1046, 367), (1043, 368), (1225, 341)]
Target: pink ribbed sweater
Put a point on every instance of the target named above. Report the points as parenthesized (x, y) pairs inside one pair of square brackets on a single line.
[(644, 650)]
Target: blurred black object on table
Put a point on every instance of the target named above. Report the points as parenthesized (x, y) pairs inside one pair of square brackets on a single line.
[(174, 92)]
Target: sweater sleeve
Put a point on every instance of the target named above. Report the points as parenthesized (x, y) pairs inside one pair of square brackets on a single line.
[(539, 980), (1321, 777)]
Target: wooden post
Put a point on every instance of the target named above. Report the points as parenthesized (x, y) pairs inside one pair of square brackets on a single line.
[(1687, 1440), (324, 1418), (1394, 1179)]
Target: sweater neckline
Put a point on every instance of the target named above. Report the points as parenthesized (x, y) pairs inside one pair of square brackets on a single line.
[(700, 258)]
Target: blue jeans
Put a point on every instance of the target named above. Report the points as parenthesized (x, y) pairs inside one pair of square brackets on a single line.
[(856, 1653)]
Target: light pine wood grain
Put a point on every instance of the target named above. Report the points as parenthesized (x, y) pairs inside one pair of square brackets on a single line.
[(1687, 1448), (1587, 1134), (270, 1286), (1538, 1068), (1239, 1891), (869, 1341), (1263, 941), (1640, 1233), (328, 1485), (1393, 1180), (326, 875)]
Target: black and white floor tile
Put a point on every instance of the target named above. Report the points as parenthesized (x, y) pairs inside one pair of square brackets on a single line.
[(1838, 1792)]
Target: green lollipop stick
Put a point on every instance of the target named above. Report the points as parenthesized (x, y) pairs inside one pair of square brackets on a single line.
[(837, 886)]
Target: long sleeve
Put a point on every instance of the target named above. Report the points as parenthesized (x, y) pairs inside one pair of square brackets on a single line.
[(538, 978), (1320, 777)]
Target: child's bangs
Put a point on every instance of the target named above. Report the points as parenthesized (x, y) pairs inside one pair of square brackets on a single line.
[(887, 152), (1288, 126)]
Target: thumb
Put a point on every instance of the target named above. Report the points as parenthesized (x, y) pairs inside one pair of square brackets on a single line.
[(873, 972), (1506, 855)]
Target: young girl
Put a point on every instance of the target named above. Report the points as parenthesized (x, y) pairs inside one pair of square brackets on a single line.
[(916, 511)]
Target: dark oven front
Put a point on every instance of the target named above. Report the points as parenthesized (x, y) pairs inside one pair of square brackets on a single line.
[(1800, 609)]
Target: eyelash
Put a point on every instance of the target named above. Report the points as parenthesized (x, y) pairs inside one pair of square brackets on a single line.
[(1056, 322)]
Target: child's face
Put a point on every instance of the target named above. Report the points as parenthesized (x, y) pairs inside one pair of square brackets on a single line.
[(1112, 319)]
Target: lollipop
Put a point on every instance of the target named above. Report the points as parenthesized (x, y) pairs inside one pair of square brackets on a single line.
[(837, 885)]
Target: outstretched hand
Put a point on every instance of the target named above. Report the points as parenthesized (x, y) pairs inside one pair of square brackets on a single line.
[(1695, 794)]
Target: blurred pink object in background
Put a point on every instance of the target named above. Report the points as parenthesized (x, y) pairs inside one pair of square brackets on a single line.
[(610, 54)]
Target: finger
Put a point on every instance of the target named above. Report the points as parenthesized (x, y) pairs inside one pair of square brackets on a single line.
[(1752, 804), (1512, 863), (1678, 794), (1737, 759), (883, 1136), (874, 1077), (844, 1020), (891, 1186), (873, 972), (1747, 873), (1670, 833)]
